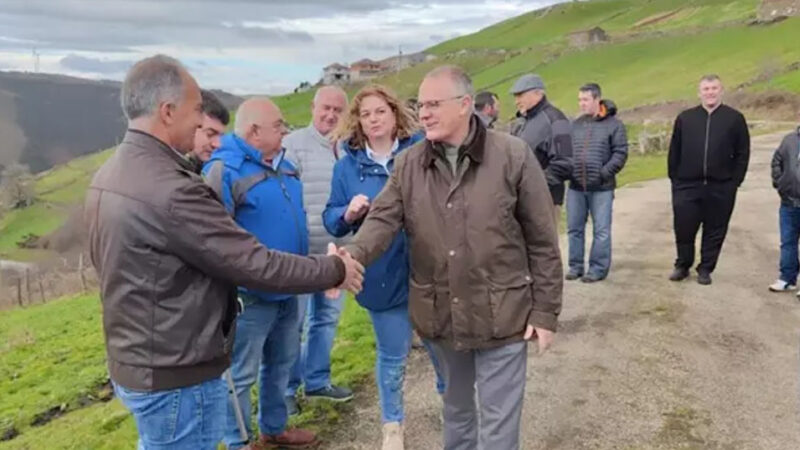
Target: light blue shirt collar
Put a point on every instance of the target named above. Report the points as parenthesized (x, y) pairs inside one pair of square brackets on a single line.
[(382, 160)]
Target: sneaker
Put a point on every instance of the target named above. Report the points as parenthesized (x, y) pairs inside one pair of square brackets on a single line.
[(332, 393), (679, 274), (592, 278), (781, 286), (393, 436), (704, 278), (571, 276), (292, 408), (293, 438)]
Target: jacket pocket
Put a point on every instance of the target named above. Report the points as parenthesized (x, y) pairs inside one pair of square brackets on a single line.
[(510, 303), (422, 308)]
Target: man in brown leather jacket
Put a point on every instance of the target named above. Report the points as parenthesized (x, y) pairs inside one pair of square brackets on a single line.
[(168, 257), (486, 272)]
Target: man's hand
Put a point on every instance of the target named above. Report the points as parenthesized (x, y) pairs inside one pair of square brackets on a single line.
[(544, 337), (354, 273), (358, 207)]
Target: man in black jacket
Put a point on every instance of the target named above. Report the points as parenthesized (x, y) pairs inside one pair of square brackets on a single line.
[(600, 150), (546, 130), (708, 159), (786, 180)]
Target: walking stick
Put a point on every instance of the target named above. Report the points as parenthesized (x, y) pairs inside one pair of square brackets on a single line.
[(236, 408)]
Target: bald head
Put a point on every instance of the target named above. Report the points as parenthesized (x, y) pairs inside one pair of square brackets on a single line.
[(260, 123), (326, 109)]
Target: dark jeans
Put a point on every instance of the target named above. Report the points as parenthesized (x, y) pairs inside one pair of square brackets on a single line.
[(789, 218), (709, 205)]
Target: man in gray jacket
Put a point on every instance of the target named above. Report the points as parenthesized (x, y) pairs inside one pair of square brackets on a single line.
[(168, 257), (314, 154), (600, 150), (786, 180), (546, 130)]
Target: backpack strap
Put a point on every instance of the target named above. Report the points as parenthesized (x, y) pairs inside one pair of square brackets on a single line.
[(240, 187)]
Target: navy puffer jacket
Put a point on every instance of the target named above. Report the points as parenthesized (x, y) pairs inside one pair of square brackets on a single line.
[(599, 149)]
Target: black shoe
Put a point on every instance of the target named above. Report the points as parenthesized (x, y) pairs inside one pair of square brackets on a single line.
[(679, 274), (572, 276), (292, 408), (332, 393), (592, 278), (704, 278)]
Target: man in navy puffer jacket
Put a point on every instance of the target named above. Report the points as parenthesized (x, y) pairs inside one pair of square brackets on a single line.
[(599, 149)]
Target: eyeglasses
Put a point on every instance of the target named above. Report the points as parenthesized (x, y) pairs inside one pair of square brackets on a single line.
[(435, 104)]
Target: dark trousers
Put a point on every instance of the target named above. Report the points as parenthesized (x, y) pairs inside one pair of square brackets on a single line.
[(709, 205)]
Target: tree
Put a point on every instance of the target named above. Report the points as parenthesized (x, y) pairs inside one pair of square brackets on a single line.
[(16, 187)]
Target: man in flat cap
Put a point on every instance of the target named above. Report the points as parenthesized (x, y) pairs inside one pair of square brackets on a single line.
[(546, 130)]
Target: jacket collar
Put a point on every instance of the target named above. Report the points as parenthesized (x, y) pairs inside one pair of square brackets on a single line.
[(146, 140), (473, 147), (360, 154), (234, 151), (531, 113)]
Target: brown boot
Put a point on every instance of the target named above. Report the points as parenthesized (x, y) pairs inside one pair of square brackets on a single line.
[(293, 438)]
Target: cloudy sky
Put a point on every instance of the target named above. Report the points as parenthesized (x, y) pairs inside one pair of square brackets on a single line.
[(243, 46)]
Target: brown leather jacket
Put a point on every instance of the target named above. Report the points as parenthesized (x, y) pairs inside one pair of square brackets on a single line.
[(168, 257), (484, 249)]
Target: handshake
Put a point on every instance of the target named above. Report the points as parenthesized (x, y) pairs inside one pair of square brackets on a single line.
[(354, 273)]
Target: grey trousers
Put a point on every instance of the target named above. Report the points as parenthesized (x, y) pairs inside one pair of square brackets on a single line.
[(499, 376)]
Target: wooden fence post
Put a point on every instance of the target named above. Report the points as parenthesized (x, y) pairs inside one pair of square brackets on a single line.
[(41, 288), (83, 278), (19, 291), (28, 286)]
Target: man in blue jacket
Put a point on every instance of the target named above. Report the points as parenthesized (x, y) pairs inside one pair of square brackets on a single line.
[(262, 191)]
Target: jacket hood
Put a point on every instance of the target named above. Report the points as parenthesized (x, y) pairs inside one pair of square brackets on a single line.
[(607, 109)]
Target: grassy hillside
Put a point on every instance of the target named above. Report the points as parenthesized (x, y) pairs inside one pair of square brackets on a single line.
[(57, 191)]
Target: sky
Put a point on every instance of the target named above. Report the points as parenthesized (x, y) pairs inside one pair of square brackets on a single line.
[(241, 46)]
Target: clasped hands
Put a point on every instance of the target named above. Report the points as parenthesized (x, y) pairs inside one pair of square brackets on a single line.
[(354, 273)]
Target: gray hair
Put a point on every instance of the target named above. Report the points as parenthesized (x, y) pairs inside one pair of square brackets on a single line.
[(149, 82), (457, 75)]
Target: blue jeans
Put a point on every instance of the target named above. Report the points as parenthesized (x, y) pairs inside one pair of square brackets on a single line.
[(789, 219), (191, 417), (437, 367), (393, 341), (580, 205), (266, 346), (313, 365)]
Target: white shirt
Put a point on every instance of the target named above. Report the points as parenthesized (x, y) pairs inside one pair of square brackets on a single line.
[(380, 159)]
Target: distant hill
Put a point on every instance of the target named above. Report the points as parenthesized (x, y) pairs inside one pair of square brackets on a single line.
[(46, 119)]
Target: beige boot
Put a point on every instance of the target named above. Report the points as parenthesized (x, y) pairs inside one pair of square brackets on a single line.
[(393, 436)]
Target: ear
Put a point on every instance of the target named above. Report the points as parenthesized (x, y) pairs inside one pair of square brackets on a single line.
[(166, 112)]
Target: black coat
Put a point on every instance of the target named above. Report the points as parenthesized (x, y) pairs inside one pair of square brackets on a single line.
[(709, 147), (785, 169)]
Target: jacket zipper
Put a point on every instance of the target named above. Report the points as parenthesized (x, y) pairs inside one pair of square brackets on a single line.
[(705, 151), (583, 159), (291, 207)]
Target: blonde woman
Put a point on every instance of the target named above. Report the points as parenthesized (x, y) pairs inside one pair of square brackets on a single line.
[(373, 132)]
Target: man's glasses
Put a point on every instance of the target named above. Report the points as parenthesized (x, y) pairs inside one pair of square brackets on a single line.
[(435, 104)]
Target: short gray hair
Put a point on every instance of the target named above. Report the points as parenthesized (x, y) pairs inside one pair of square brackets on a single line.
[(457, 75), (149, 82), (711, 77)]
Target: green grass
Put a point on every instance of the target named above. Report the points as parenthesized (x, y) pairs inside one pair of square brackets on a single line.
[(57, 190), (618, 17), (53, 355), (643, 168), (658, 69)]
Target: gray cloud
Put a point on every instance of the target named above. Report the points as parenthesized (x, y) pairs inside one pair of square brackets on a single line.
[(97, 65), (273, 35)]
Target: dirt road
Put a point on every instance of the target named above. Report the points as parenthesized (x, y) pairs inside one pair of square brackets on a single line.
[(644, 363)]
